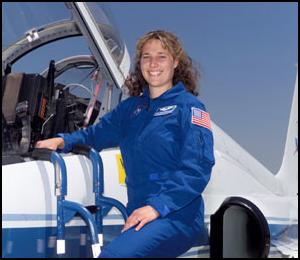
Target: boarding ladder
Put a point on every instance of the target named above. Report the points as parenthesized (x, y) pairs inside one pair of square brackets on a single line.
[(66, 208)]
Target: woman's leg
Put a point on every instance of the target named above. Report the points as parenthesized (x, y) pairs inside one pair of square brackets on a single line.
[(159, 238)]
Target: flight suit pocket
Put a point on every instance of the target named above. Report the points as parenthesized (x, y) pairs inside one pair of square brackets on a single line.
[(158, 176), (160, 128), (207, 146)]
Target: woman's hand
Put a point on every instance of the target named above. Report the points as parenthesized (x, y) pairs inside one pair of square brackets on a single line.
[(140, 217), (52, 143)]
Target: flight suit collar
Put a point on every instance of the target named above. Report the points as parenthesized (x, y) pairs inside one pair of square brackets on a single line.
[(169, 94)]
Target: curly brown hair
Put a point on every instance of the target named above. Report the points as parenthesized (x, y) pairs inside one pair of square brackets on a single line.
[(185, 71)]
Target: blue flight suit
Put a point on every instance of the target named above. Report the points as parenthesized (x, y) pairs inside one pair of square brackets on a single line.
[(168, 159)]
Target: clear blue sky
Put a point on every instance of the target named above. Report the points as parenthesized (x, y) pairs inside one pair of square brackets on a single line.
[(247, 53)]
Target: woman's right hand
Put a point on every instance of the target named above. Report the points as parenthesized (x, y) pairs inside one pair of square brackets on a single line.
[(51, 143)]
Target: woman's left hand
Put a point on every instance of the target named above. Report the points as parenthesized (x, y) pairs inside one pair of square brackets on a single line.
[(140, 217)]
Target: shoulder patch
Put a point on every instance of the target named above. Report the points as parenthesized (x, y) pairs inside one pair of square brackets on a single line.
[(201, 118)]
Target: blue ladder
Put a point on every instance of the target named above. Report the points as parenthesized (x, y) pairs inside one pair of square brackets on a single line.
[(65, 208), (98, 187)]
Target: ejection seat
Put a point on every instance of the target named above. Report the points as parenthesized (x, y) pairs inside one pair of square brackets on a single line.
[(239, 230)]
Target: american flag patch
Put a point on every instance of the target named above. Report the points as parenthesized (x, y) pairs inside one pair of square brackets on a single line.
[(201, 118)]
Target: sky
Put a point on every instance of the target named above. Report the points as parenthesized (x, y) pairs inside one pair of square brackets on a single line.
[(247, 54)]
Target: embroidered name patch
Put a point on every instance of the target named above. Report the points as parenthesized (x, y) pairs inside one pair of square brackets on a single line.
[(201, 118), (165, 110)]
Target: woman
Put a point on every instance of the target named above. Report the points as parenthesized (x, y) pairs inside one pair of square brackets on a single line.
[(166, 142)]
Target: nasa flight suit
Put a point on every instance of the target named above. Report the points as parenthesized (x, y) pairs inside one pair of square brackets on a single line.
[(167, 150)]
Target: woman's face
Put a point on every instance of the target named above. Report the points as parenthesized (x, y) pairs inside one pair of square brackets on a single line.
[(157, 65)]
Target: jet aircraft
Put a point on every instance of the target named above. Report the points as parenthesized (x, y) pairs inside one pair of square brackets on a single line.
[(249, 210)]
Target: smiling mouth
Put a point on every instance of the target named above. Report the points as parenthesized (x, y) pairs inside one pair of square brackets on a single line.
[(154, 73)]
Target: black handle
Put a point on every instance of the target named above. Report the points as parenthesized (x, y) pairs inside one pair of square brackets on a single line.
[(82, 149), (43, 154)]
